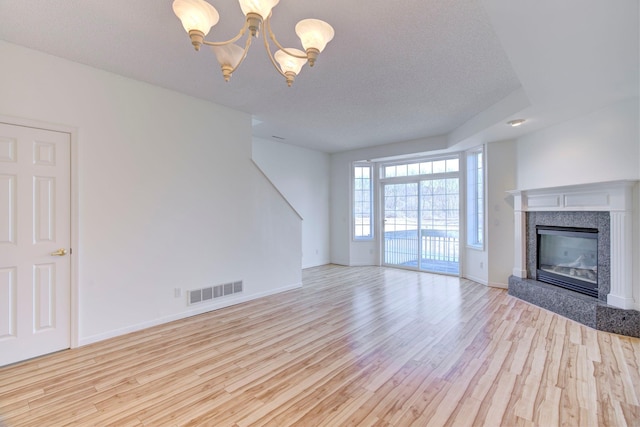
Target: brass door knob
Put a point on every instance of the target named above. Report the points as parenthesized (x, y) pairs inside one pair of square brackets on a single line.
[(59, 252)]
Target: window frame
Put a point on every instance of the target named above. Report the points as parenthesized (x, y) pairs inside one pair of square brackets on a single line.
[(454, 171), (419, 160), (476, 198), (354, 199)]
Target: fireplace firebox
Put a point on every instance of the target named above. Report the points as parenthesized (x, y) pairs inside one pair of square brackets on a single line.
[(568, 257)]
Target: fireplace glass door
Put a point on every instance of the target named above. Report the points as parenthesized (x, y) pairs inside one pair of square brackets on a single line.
[(568, 257)]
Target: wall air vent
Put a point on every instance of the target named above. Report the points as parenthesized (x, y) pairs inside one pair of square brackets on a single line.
[(197, 296)]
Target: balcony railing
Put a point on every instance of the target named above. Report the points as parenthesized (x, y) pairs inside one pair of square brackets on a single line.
[(437, 250)]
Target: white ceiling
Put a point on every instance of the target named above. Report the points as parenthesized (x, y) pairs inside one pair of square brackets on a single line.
[(396, 70)]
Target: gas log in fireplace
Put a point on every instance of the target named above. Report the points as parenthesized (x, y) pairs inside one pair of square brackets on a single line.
[(568, 257)]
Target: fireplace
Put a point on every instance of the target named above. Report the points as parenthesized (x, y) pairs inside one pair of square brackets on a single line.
[(574, 253), (568, 257)]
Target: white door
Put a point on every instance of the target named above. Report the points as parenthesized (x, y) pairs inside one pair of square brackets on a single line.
[(35, 236)]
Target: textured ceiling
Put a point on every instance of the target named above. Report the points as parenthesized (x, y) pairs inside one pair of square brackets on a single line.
[(395, 71)]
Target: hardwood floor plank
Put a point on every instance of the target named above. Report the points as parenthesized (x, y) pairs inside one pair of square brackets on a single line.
[(366, 346), (548, 412)]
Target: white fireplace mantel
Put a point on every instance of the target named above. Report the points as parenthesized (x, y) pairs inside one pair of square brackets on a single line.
[(615, 197)]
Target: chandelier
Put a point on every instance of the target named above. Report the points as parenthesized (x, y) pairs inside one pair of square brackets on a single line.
[(198, 17)]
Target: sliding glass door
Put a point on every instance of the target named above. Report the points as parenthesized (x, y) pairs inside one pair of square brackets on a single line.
[(401, 224), (421, 223), (440, 225)]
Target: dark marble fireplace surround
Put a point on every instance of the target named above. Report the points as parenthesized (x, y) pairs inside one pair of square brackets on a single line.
[(597, 220), (590, 311)]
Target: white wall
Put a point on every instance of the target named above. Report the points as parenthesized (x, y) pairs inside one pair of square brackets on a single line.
[(601, 146), (167, 194), (475, 264), (493, 264), (302, 176), (340, 210), (501, 177)]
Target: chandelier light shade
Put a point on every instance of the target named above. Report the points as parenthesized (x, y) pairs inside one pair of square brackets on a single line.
[(199, 16), (260, 7), (229, 56), (290, 65), (314, 35)]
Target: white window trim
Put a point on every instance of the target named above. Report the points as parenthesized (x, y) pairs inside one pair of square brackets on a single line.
[(372, 185), (470, 204)]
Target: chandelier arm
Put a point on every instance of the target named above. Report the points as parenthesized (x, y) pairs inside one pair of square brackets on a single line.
[(243, 30), (267, 25), (266, 28), (244, 55)]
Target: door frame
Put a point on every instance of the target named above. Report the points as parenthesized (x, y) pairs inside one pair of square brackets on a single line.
[(379, 204), (74, 210), (383, 252)]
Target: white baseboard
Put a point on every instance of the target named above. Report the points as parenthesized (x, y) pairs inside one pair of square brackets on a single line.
[(182, 315), (476, 279), (316, 264), (486, 283), (499, 285)]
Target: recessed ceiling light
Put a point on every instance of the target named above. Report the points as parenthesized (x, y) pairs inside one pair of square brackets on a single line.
[(516, 122)]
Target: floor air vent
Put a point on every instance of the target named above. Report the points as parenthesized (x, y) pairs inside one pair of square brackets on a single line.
[(209, 293)]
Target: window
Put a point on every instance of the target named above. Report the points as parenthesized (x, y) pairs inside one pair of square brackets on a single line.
[(421, 168), (362, 201), (475, 199)]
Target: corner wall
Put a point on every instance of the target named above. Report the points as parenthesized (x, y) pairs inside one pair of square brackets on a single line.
[(501, 177), (492, 265), (302, 176), (168, 196)]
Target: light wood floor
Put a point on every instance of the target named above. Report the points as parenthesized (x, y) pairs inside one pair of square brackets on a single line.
[(354, 346)]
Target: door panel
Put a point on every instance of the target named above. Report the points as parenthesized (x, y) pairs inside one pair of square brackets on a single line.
[(421, 225), (44, 292), (35, 222), (44, 212), (8, 213), (440, 225), (401, 224), (8, 303)]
